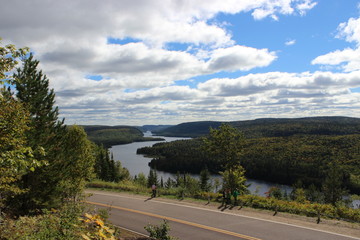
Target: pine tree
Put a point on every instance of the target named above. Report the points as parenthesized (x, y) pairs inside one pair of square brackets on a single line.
[(153, 178), (46, 132), (204, 180), (33, 91), (332, 186)]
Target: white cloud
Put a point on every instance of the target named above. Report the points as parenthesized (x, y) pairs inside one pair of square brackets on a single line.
[(349, 58), (261, 83), (274, 94), (305, 6), (135, 65), (240, 58), (290, 42), (70, 40), (155, 22), (350, 30)]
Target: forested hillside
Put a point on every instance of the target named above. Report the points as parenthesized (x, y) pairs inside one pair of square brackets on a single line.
[(272, 127), (114, 135), (191, 129), (286, 159), (153, 128)]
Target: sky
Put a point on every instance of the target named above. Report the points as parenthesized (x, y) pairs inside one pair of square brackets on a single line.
[(137, 62)]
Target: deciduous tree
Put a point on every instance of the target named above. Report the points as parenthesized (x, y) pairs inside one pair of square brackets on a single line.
[(226, 144)]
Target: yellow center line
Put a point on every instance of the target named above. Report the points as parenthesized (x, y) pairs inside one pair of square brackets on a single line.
[(178, 221)]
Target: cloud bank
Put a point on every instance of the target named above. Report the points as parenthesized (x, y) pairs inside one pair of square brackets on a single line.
[(147, 54)]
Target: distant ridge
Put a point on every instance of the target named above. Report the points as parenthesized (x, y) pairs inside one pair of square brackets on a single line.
[(271, 127), (190, 129), (153, 128)]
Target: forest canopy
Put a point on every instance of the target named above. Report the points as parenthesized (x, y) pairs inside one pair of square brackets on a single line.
[(282, 159)]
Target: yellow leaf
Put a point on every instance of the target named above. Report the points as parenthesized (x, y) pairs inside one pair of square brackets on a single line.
[(99, 222), (85, 237)]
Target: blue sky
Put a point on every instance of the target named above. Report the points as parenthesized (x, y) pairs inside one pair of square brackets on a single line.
[(135, 62)]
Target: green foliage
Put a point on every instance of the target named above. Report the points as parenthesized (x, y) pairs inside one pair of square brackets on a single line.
[(54, 224), (106, 168), (152, 178), (9, 56), (271, 127), (189, 186), (77, 166), (159, 232), (33, 91), (181, 155), (191, 129), (51, 162), (281, 160), (299, 195), (274, 192), (305, 208), (204, 180), (234, 178), (125, 185), (141, 179), (16, 157), (226, 145), (66, 223), (332, 187)]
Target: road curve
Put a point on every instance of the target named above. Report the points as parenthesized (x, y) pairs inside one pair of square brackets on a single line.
[(190, 222)]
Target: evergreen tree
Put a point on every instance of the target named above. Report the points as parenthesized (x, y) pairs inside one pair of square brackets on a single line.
[(332, 187), (33, 91), (204, 180), (169, 183), (46, 132), (161, 182), (179, 181), (141, 179), (226, 145), (152, 178)]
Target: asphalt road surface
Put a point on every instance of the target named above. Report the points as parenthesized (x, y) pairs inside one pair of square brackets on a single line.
[(193, 223)]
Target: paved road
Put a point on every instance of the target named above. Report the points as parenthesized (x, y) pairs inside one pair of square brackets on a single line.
[(189, 222)]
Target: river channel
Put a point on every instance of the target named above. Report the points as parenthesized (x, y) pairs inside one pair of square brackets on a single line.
[(136, 164)]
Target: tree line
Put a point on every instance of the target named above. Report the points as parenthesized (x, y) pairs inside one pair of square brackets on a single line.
[(270, 127)]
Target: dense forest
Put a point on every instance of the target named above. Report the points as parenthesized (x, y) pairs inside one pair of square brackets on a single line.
[(114, 135), (271, 127), (288, 159)]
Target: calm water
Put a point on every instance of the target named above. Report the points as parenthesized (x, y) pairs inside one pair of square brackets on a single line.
[(139, 164)]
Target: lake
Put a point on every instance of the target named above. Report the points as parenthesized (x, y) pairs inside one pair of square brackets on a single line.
[(136, 164)]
